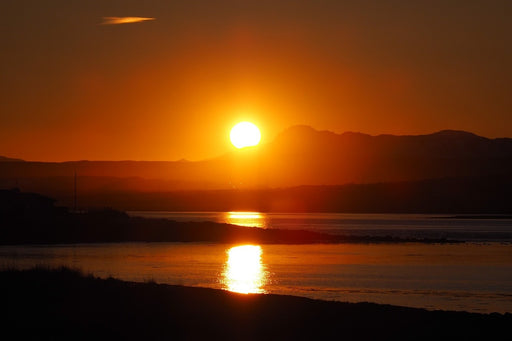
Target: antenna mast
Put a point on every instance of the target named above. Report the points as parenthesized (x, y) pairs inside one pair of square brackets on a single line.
[(74, 194)]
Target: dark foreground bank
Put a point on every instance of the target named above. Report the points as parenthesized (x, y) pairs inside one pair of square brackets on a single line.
[(63, 304), (30, 218)]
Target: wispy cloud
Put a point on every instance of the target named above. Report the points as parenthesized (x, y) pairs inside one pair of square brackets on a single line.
[(123, 20)]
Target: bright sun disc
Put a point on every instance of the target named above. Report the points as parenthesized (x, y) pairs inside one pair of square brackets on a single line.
[(245, 134)]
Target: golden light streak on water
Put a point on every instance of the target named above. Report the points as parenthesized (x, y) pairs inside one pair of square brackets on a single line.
[(244, 271), (250, 219)]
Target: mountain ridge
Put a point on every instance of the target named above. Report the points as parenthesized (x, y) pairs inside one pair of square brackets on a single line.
[(451, 133), (9, 159), (300, 155)]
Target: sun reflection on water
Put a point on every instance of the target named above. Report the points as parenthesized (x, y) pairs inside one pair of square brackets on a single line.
[(251, 219), (244, 271)]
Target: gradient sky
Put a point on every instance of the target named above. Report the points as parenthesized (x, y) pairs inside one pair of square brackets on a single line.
[(76, 85)]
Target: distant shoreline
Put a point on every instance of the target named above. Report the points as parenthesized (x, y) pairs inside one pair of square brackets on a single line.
[(116, 227), (29, 218), (478, 216), (63, 304)]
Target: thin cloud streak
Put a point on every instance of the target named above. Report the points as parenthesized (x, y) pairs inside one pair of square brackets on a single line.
[(124, 20)]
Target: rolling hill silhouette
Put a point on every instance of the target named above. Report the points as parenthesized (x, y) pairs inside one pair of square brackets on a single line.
[(8, 159)]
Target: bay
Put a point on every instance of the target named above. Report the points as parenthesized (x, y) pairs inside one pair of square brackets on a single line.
[(475, 277), (435, 226)]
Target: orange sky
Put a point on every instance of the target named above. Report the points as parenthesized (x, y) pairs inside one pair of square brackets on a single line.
[(73, 87)]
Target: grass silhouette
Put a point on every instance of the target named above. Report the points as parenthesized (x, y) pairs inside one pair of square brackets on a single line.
[(64, 303)]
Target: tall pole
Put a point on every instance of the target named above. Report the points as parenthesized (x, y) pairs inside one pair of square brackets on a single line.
[(74, 195)]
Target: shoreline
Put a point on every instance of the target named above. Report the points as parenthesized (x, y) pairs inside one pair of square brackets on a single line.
[(110, 226), (63, 303)]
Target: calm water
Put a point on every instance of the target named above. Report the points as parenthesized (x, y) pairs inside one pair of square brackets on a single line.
[(399, 225), (471, 277), (475, 276)]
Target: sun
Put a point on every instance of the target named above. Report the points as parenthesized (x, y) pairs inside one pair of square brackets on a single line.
[(245, 134)]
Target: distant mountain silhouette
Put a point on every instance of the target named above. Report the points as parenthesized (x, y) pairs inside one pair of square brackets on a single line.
[(325, 158), (8, 159), (298, 156)]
